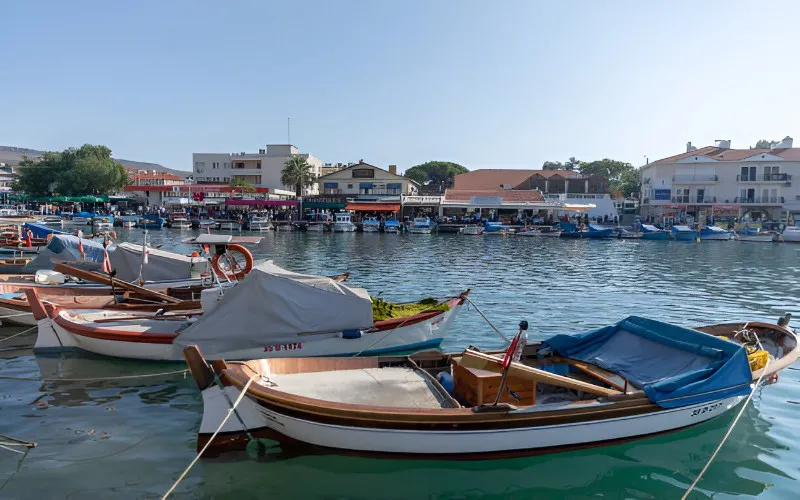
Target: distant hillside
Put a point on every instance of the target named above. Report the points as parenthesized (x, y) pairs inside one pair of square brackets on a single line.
[(11, 155)]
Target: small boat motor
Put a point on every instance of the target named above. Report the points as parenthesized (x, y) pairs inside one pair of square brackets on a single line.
[(784, 321)]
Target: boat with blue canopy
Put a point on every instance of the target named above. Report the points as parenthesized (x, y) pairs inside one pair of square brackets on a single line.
[(628, 380), (593, 231), (650, 232), (683, 233), (715, 233)]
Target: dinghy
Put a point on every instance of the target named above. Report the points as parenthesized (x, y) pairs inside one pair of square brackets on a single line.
[(271, 313), (633, 379)]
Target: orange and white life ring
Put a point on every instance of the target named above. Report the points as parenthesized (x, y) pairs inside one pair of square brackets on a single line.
[(221, 263)]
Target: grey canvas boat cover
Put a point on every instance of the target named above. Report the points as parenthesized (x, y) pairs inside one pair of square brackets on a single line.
[(64, 248), (272, 306), (126, 259)]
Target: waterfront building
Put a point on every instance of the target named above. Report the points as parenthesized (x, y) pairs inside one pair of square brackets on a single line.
[(262, 169), (365, 188), (564, 187), (751, 184), (362, 180)]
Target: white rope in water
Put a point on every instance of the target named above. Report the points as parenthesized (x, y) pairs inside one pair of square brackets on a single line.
[(121, 377), (487, 319), (730, 430), (18, 334), (221, 425)]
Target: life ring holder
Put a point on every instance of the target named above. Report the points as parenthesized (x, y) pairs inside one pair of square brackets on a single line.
[(225, 251)]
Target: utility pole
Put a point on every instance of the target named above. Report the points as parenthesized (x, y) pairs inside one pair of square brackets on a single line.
[(289, 130)]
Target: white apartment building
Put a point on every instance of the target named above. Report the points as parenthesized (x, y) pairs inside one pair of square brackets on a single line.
[(754, 184), (262, 169)]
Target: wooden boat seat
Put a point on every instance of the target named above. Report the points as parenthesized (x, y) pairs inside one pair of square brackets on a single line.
[(397, 387)]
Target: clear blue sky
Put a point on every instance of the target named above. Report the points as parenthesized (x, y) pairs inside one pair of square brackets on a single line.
[(507, 84)]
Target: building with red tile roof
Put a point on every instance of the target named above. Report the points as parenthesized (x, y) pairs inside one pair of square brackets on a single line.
[(718, 180)]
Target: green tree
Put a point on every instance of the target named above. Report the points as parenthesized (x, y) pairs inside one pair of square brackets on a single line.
[(440, 173), (763, 144), (552, 165), (297, 172), (621, 176), (245, 186), (572, 164), (72, 172)]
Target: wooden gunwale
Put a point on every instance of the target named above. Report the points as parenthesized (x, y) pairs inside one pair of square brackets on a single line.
[(109, 334), (421, 418)]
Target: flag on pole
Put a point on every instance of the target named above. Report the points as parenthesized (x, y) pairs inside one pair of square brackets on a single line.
[(145, 249), (80, 245), (106, 259)]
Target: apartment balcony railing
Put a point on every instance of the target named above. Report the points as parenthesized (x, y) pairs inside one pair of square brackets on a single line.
[(764, 178), (694, 178), (694, 199), (762, 200)]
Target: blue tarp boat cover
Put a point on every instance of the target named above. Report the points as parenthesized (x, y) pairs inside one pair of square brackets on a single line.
[(40, 230), (595, 227), (647, 228), (674, 366), (712, 229), (682, 229)]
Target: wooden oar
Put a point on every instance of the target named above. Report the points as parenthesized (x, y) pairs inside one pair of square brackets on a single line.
[(479, 360), (161, 317), (104, 279)]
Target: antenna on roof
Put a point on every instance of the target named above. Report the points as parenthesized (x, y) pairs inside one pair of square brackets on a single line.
[(289, 131)]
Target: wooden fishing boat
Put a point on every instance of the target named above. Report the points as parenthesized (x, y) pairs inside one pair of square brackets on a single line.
[(271, 313), (627, 381)]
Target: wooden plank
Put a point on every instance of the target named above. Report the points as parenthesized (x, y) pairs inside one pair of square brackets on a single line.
[(600, 374), (473, 359), (106, 280)]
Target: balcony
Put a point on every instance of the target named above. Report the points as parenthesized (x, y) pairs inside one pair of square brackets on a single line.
[(764, 178), (691, 179), (757, 200), (701, 200)]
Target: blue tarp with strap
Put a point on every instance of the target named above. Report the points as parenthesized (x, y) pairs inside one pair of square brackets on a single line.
[(40, 230), (674, 366)]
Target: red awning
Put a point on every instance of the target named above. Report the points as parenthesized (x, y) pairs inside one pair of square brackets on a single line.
[(373, 207), (263, 203)]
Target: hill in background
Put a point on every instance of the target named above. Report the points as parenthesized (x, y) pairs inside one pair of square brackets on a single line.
[(11, 155)]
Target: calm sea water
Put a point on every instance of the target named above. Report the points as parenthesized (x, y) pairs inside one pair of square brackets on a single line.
[(108, 439)]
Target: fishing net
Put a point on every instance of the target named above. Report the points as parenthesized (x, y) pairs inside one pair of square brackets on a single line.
[(383, 310)]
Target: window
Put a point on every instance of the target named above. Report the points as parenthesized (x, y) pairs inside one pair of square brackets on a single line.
[(771, 173), (349, 186), (258, 164), (199, 164)]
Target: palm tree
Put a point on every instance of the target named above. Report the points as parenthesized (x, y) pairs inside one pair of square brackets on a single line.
[(297, 172)]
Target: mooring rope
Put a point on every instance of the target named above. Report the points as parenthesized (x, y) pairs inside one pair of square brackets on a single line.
[(97, 379), (15, 315), (487, 319), (12, 441), (18, 334), (221, 425), (730, 430)]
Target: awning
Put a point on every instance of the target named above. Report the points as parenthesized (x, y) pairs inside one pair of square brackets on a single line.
[(74, 199), (263, 203), (373, 207)]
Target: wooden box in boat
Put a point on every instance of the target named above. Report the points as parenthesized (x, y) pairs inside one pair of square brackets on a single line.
[(477, 386)]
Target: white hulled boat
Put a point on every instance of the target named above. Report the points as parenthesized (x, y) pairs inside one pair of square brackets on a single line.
[(342, 223), (420, 225)]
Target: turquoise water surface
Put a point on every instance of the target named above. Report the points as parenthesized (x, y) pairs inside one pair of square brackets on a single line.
[(105, 439)]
